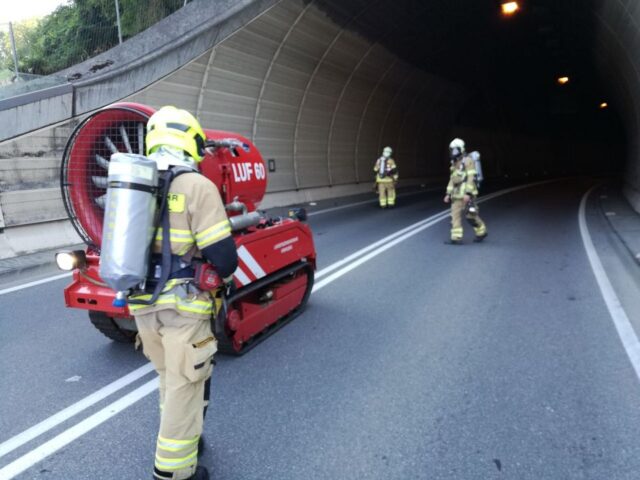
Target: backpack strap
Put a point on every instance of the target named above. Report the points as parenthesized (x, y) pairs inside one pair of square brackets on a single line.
[(163, 220)]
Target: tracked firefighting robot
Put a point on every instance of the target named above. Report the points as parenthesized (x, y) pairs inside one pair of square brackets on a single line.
[(277, 258)]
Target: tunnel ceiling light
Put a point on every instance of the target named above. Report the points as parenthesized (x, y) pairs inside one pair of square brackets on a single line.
[(563, 80), (510, 8), (604, 105)]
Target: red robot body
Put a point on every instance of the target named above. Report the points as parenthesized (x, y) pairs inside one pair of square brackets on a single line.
[(277, 258)]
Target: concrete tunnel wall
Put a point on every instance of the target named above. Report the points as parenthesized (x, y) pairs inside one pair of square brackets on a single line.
[(618, 55), (315, 96), (319, 99)]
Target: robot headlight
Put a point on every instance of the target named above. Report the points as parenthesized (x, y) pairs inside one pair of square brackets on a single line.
[(71, 260)]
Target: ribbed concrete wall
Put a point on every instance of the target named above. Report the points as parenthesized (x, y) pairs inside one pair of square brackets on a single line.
[(314, 96), (618, 52), (319, 99)]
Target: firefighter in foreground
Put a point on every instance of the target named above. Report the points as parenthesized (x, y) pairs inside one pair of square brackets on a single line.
[(462, 192), (386, 178), (176, 328)]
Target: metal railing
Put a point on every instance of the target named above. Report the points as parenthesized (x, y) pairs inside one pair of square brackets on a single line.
[(72, 33)]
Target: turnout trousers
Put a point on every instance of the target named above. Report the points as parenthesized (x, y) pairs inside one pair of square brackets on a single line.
[(457, 209), (181, 349), (387, 194), (471, 213), (473, 218)]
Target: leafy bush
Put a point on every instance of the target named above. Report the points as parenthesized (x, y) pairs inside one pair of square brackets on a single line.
[(77, 31)]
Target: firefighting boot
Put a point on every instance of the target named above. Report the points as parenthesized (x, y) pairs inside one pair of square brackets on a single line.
[(201, 474), (480, 238), (453, 242)]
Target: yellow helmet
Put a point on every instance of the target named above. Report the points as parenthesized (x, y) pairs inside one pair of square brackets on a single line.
[(174, 127)]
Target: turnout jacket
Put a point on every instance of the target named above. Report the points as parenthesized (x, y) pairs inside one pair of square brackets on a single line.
[(463, 179), (386, 170), (197, 220)]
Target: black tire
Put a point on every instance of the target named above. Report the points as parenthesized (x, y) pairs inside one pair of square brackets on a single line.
[(110, 329)]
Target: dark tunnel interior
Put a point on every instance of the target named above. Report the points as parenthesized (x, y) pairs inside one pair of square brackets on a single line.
[(508, 67)]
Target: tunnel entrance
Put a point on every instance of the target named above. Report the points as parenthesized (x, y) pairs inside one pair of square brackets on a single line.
[(534, 95)]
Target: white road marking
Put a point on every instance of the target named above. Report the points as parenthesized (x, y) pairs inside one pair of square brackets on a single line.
[(334, 276), (63, 415), (618, 315), (65, 438), (34, 283), (444, 214), (366, 202), (441, 216), (39, 453)]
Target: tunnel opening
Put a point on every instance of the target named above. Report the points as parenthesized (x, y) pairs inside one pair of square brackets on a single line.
[(508, 68)]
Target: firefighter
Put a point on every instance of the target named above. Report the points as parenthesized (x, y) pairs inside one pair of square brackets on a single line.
[(176, 329), (462, 192), (386, 178)]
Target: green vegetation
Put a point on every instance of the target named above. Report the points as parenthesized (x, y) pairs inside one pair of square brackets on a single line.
[(77, 31)]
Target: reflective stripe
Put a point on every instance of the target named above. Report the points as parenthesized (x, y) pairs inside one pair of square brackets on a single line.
[(250, 262), (176, 235), (472, 172), (241, 276), (169, 464), (213, 234), (194, 306), (172, 445)]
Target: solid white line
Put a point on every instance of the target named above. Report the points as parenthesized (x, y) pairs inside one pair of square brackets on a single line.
[(383, 241), (34, 283), (375, 253), (63, 415), (616, 311), (440, 216), (366, 202), (65, 438)]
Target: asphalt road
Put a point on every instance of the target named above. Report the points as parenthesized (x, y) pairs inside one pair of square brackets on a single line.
[(485, 361)]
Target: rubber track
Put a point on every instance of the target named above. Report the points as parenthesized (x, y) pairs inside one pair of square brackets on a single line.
[(224, 344), (109, 328)]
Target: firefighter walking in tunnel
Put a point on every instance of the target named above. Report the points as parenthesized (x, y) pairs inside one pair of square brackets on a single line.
[(462, 192), (386, 172), (175, 328)]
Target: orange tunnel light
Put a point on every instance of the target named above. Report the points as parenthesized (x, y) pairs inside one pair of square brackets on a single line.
[(563, 80), (509, 8)]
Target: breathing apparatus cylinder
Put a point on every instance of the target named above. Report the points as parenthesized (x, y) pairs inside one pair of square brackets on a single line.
[(128, 222), (475, 156)]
